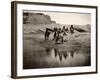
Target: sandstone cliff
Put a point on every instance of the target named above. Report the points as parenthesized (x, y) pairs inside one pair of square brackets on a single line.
[(36, 18)]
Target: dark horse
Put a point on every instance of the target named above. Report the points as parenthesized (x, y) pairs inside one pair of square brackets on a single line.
[(47, 33)]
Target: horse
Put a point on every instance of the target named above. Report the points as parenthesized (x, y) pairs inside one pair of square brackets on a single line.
[(59, 36), (47, 33)]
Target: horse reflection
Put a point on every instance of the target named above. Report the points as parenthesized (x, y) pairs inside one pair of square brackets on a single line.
[(48, 51), (63, 54), (60, 54), (72, 53)]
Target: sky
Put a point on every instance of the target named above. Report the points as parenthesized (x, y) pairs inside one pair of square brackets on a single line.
[(68, 18)]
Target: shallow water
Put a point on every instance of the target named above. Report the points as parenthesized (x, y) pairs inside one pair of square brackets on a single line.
[(38, 53), (55, 57)]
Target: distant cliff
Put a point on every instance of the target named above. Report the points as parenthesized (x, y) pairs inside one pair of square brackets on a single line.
[(36, 18)]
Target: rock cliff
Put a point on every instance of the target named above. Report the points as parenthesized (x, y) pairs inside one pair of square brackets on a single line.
[(36, 18)]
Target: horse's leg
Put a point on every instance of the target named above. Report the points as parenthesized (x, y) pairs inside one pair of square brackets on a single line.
[(44, 36), (55, 40), (54, 37), (47, 36)]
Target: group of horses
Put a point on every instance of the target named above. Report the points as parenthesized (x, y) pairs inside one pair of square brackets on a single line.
[(59, 33)]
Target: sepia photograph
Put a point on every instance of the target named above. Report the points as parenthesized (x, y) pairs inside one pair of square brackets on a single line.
[(56, 39), (53, 39)]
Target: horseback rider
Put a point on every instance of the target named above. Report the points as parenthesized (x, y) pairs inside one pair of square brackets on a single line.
[(55, 33), (59, 36), (47, 33), (72, 29)]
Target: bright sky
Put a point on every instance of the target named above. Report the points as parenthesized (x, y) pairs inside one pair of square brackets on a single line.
[(68, 18)]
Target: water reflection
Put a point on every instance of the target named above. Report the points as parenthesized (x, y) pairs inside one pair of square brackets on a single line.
[(63, 54), (55, 57), (60, 54)]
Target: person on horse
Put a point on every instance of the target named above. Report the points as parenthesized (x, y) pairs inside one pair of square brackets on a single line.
[(47, 33), (59, 36), (55, 34), (72, 29)]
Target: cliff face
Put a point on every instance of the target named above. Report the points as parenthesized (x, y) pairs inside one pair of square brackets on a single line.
[(36, 18)]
